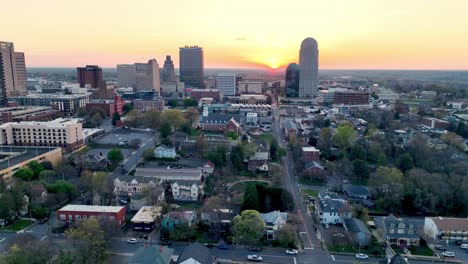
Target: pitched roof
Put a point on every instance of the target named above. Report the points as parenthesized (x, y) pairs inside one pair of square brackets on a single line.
[(152, 255), (197, 252), (312, 164), (357, 190), (333, 206), (273, 216), (218, 118), (451, 223), (355, 225)]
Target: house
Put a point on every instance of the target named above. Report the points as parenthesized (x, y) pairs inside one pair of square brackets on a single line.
[(274, 221), (360, 234), (153, 255), (195, 253), (446, 228), (332, 211), (313, 169), (138, 200), (257, 165), (290, 128), (165, 152), (128, 185), (357, 192), (38, 193), (218, 221), (310, 154), (331, 195), (208, 168), (397, 231), (187, 190), (91, 162), (167, 174), (145, 219), (262, 155), (177, 217)]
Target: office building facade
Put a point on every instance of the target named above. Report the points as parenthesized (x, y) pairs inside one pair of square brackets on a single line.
[(126, 75), (12, 72), (140, 76), (292, 80), (250, 87), (68, 104), (226, 84), (90, 76), (191, 66), (168, 74), (308, 68)]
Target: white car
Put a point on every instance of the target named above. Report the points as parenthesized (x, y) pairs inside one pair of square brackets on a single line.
[(132, 241), (464, 246), (254, 258), (292, 251), (361, 256), (448, 254)]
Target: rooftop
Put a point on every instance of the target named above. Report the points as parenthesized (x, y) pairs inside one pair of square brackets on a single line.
[(52, 96), (59, 122), (91, 208), (309, 149), (451, 223), (13, 155), (147, 214)]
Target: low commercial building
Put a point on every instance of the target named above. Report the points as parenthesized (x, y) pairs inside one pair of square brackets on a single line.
[(168, 174), (65, 133), (68, 104), (198, 94), (142, 105), (165, 152), (434, 123), (25, 113), (109, 107), (446, 228), (252, 99), (250, 87), (14, 158), (73, 213), (145, 219)]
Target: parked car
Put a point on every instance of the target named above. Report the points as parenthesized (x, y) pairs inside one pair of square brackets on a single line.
[(292, 251), (440, 247), (222, 246), (361, 256), (132, 241), (458, 242), (464, 246), (254, 258), (448, 254), (255, 249), (208, 245)]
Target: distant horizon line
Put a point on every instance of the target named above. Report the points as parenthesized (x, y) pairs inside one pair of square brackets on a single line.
[(264, 69)]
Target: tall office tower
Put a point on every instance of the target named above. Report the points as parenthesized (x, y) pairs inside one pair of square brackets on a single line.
[(12, 72), (191, 66), (90, 76), (308, 68), (147, 77), (126, 75), (168, 70), (292, 80), (226, 84)]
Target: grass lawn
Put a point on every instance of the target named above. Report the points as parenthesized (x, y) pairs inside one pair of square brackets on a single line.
[(311, 208), (189, 206), (309, 192), (267, 137), (19, 225), (422, 251), (302, 180), (415, 101)]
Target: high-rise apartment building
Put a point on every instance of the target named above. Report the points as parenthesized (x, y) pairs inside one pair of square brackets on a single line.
[(68, 104), (292, 80), (140, 76), (90, 77), (226, 84), (191, 66), (168, 70), (12, 72), (308, 68)]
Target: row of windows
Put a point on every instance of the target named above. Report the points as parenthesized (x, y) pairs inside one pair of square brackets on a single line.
[(79, 217), (38, 130)]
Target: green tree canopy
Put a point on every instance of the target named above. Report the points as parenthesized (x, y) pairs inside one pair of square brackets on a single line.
[(24, 174), (345, 136), (88, 240), (115, 155), (405, 162), (36, 168), (248, 227)]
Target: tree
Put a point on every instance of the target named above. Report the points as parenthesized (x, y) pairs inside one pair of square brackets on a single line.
[(165, 130), (387, 185), (62, 187), (47, 165), (274, 149), (115, 156), (251, 200), (174, 117), (345, 136), (173, 103), (181, 232), (453, 140), (188, 102), (151, 119), (287, 201), (312, 141), (115, 118), (127, 108), (357, 152), (287, 236), (218, 156), (88, 240), (276, 174), (462, 129), (81, 112), (148, 154), (237, 157), (135, 143), (29, 250), (325, 141), (248, 227), (7, 205), (405, 162), (102, 187), (200, 146), (36, 168), (232, 135), (361, 169), (191, 114), (96, 119), (24, 174), (133, 118)]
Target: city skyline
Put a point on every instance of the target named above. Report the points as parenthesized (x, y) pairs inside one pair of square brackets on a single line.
[(364, 35)]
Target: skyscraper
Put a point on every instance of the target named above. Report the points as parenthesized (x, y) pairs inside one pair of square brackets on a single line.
[(140, 76), (12, 72), (226, 84), (292, 80), (168, 70), (191, 66), (308, 68), (90, 77)]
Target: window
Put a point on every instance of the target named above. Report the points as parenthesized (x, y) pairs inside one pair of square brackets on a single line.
[(401, 231), (77, 217), (62, 217), (70, 217), (392, 231)]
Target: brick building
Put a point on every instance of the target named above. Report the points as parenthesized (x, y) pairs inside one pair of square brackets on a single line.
[(107, 106), (90, 76), (74, 213), (22, 113), (145, 105), (220, 123), (198, 94), (351, 98), (310, 154)]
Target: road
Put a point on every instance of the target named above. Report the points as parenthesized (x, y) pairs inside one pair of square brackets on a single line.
[(39, 231), (131, 161)]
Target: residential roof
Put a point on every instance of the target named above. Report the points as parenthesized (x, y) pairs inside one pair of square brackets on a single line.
[(290, 125), (356, 226), (451, 223), (356, 190), (164, 147), (147, 214), (91, 208), (333, 206), (209, 164), (310, 149), (152, 255), (273, 216), (313, 164), (163, 172), (197, 252), (218, 118)]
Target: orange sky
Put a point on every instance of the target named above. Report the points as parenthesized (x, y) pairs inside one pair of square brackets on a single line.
[(352, 34)]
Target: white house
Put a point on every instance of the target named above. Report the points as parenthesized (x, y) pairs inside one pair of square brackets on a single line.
[(251, 118), (126, 185), (274, 221), (208, 168), (186, 190), (331, 211), (164, 151)]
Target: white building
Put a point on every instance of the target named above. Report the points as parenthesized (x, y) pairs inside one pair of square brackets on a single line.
[(251, 118), (274, 221), (332, 211), (141, 76), (187, 190), (164, 151), (226, 84), (250, 87), (173, 89), (169, 174), (65, 133), (446, 228)]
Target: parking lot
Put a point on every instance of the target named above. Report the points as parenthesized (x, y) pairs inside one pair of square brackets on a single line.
[(124, 137), (461, 254)]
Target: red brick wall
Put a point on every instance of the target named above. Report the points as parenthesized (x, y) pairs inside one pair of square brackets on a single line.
[(119, 217)]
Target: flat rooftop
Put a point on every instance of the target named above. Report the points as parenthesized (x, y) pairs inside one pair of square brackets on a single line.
[(59, 122), (91, 208), (12, 155), (147, 214), (52, 96)]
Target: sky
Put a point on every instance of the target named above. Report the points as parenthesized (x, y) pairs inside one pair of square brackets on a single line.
[(351, 34)]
